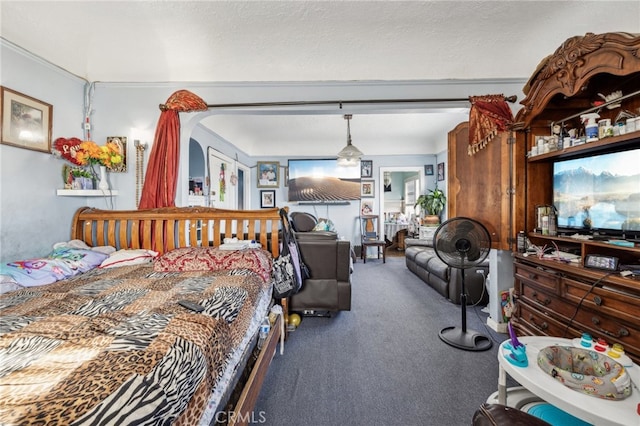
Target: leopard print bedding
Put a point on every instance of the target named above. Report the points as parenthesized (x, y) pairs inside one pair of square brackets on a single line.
[(112, 346)]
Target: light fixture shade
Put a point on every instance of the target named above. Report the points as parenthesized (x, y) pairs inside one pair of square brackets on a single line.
[(348, 162), (349, 155), (350, 151)]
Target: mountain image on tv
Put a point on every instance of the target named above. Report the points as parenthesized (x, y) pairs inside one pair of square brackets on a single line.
[(602, 199)]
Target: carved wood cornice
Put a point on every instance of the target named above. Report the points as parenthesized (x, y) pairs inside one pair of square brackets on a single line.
[(571, 66)]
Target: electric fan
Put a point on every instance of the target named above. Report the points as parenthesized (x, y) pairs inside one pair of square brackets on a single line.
[(463, 243)]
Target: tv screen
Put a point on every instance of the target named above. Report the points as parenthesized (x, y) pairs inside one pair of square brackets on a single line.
[(322, 180), (601, 192)]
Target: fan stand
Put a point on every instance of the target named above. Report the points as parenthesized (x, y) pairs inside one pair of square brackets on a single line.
[(460, 337)]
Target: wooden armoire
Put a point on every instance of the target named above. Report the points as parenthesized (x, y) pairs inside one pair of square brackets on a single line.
[(567, 299), (488, 185)]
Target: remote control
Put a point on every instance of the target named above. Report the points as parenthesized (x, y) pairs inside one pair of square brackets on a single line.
[(192, 306)]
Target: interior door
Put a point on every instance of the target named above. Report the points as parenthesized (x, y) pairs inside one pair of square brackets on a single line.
[(223, 193)]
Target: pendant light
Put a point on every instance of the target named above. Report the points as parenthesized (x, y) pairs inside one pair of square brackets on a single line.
[(350, 155)]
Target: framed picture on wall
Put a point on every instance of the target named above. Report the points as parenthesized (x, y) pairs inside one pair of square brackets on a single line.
[(367, 188), (121, 143), (366, 168), (268, 174), (26, 121), (267, 199), (428, 169), (440, 171), (366, 207)]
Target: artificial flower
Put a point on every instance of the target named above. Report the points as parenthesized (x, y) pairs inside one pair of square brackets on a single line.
[(106, 155)]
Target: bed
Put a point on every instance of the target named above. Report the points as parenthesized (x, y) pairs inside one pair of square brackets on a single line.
[(112, 345)]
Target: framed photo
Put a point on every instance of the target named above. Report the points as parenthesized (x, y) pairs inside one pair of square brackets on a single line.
[(367, 188), (121, 142), (267, 198), (26, 121), (268, 174), (428, 169), (366, 207), (366, 168), (440, 171)]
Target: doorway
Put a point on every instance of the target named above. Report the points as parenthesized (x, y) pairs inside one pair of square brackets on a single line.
[(399, 188)]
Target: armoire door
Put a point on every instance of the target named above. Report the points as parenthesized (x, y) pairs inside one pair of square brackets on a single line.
[(485, 186)]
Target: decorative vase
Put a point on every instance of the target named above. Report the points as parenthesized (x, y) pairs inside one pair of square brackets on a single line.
[(104, 184)]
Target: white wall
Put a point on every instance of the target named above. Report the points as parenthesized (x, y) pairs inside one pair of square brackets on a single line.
[(33, 217)]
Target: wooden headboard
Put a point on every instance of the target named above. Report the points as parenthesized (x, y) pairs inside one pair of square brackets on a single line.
[(167, 228)]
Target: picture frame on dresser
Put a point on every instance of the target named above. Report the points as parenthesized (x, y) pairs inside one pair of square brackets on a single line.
[(26, 121)]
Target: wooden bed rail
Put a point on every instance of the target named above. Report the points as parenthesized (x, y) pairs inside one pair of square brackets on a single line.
[(164, 229)]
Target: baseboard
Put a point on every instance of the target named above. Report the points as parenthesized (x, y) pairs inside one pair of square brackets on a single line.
[(500, 327)]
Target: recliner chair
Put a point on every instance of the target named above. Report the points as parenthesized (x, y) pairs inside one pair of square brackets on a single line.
[(329, 287)]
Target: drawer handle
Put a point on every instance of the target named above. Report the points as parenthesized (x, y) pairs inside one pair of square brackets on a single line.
[(597, 300), (544, 302), (622, 332), (542, 326), (533, 276)]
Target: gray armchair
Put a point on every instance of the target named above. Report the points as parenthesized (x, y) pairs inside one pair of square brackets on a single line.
[(329, 287)]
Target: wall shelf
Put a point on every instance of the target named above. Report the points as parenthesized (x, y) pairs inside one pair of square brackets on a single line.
[(86, 193)]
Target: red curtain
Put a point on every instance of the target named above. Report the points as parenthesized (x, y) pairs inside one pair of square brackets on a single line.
[(159, 189), (489, 115)]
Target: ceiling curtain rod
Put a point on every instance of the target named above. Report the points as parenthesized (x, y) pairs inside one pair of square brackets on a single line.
[(511, 99)]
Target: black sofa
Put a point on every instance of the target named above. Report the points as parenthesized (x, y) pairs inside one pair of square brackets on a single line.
[(422, 260)]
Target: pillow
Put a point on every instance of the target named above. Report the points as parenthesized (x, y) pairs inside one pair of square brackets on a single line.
[(8, 283), (586, 371), (80, 260), (212, 259), (129, 257), (62, 262)]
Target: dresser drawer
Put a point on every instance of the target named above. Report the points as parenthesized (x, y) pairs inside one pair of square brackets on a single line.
[(541, 323), (603, 300), (541, 299), (537, 277)]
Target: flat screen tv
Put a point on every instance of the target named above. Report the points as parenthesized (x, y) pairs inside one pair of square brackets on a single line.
[(599, 193), (322, 180)]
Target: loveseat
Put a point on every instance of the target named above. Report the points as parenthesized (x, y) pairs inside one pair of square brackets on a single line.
[(329, 259), (422, 260)]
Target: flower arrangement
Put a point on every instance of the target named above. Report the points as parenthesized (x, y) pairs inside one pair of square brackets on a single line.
[(90, 153)]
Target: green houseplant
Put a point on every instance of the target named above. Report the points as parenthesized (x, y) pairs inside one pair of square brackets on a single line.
[(431, 205)]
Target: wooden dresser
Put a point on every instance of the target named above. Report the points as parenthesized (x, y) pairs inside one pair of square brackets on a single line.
[(566, 299)]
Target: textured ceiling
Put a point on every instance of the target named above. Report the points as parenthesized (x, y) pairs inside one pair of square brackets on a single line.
[(307, 41)]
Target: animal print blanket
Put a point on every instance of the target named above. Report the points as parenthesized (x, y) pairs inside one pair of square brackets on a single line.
[(113, 346)]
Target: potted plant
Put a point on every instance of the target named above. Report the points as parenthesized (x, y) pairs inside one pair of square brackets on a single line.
[(431, 205)]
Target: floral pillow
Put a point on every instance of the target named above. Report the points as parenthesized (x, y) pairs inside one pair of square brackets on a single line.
[(213, 259)]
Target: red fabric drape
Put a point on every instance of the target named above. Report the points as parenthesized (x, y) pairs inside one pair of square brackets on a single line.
[(159, 189), (489, 115)]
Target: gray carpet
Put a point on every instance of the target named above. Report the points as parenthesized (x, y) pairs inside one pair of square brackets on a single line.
[(382, 362)]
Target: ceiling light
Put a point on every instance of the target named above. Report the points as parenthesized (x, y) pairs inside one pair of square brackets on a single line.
[(350, 155)]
